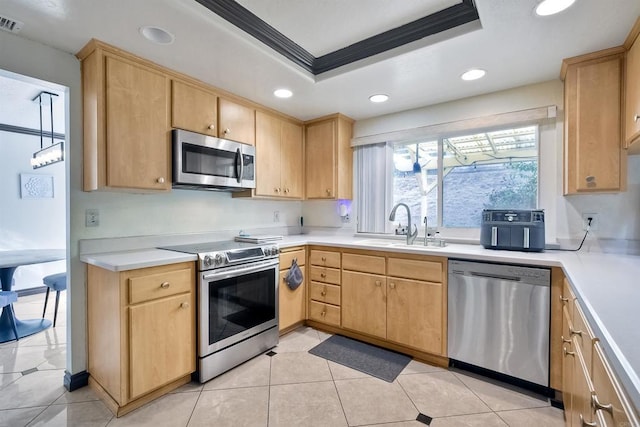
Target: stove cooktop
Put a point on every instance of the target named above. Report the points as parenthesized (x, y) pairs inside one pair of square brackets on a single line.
[(208, 247), (225, 253)]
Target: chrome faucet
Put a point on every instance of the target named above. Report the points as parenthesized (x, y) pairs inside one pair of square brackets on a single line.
[(411, 235)]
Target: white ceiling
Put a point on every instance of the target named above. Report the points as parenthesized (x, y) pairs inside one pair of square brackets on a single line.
[(513, 45)]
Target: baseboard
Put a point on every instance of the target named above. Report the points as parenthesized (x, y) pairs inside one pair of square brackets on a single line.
[(75, 381)]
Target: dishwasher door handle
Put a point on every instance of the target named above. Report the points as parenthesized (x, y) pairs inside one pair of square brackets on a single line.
[(495, 276)]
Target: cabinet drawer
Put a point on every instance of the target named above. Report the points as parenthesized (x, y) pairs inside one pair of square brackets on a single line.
[(608, 392), (583, 335), (325, 313), (326, 275), (325, 258), (363, 263), (153, 286), (325, 293), (287, 257), (429, 271)]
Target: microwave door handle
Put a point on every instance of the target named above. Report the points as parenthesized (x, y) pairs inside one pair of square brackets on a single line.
[(241, 163)]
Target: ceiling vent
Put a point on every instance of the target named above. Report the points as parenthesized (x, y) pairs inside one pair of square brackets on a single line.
[(11, 25)]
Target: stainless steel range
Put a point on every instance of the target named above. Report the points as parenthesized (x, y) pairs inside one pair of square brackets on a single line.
[(237, 303)]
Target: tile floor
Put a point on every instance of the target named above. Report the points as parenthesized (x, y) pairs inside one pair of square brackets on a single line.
[(292, 388)]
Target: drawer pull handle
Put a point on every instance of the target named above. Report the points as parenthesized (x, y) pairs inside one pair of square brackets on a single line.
[(165, 285), (184, 305), (584, 423), (574, 332), (567, 352), (563, 299), (597, 405)]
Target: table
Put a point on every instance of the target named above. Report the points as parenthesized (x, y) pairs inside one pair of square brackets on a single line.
[(9, 262)]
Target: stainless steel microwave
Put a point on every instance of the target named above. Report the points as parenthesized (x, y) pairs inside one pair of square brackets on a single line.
[(209, 163)]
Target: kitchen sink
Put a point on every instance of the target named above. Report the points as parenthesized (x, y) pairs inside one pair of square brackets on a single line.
[(431, 244)]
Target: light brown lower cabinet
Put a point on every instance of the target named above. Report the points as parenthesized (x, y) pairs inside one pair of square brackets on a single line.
[(591, 393), (404, 303), (141, 333), (291, 303)]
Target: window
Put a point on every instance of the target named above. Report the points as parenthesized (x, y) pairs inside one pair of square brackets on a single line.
[(450, 180)]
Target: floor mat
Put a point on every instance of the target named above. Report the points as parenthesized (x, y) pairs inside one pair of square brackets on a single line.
[(367, 358)]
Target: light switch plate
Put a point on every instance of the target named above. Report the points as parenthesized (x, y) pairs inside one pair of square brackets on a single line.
[(91, 218)]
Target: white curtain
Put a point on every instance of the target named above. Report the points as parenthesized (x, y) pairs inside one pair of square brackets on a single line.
[(373, 187)]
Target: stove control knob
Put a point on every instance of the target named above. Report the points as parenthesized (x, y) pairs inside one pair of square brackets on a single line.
[(219, 260), (207, 261), (275, 250)]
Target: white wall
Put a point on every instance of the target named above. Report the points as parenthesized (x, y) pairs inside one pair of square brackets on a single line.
[(27, 223), (619, 214), (123, 214)]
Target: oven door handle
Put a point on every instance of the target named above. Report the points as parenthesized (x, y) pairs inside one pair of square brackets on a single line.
[(237, 271)]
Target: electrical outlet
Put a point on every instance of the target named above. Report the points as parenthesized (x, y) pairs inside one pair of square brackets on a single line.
[(91, 218), (276, 216), (594, 221)]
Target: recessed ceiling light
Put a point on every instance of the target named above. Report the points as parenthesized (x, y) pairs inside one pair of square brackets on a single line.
[(550, 7), (283, 93), (473, 74), (157, 35), (379, 98)]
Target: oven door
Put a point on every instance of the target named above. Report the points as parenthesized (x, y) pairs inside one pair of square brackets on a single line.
[(236, 303)]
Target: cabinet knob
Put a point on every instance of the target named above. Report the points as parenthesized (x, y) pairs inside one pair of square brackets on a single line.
[(567, 352), (323, 313), (165, 285), (323, 275), (636, 117), (584, 423), (323, 259), (211, 127), (286, 190), (276, 190), (378, 283), (590, 178), (328, 191), (597, 405), (392, 285), (323, 293), (227, 131), (160, 180), (184, 305)]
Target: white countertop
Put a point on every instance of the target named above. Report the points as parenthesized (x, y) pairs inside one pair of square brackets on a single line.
[(606, 285)]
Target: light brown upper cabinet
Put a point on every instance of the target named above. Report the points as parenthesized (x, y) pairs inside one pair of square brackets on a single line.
[(278, 157), (594, 159), (198, 109), (329, 158), (126, 122), (237, 122), (194, 108), (632, 91)]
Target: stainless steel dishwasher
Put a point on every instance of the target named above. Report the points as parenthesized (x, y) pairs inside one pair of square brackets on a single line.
[(499, 318)]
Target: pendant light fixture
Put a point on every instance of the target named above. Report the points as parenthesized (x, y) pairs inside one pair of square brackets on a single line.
[(55, 152)]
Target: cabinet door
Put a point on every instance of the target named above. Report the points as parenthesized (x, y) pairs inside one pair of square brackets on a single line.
[(193, 109), (161, 342), (364, 303), (237, 122), (291, 304), (415, 314), (632, 99), (138, 137), (321, 160), (592, 136), (291, 160), (267, 155)]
